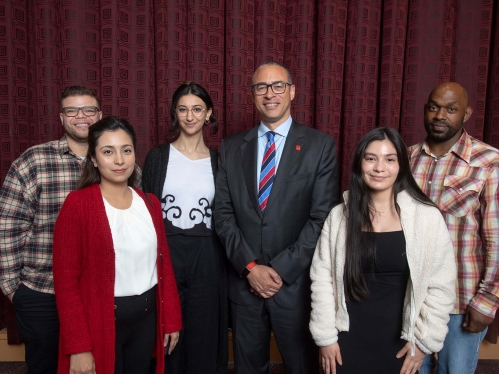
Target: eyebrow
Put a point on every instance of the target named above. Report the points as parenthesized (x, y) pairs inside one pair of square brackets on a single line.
[(374, 154), (269, 83), (112, 146), (451, 103)]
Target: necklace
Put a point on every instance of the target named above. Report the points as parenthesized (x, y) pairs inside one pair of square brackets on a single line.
[(381, 213)]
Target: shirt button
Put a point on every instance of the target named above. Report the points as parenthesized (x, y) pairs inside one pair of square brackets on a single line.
[(115, 307), (145, 310), (264, 225), (429, 182), (147, 299)]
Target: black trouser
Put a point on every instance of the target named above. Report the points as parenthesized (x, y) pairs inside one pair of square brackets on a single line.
[(251, 327), (195, 262), (135, 332), (38, 324)]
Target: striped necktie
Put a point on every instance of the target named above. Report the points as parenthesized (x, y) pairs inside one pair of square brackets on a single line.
[(267, 172)]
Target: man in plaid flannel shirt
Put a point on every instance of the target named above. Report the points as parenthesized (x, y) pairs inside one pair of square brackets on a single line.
[(30, 199), (461, 175)]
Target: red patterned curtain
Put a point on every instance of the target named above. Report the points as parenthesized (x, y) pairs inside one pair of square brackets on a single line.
[(356, 64)]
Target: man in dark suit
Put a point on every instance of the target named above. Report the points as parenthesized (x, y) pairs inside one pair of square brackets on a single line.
[(276, 185)]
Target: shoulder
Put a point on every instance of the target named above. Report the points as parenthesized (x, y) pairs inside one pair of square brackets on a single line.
[(239, 137), (156, 152), (311, 133), (414, 149), (412, 208), (36, 154), (484, 153), (148, 197)]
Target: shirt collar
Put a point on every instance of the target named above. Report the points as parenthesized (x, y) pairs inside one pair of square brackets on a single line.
[(282, 130), (63, 148), (462, 148)]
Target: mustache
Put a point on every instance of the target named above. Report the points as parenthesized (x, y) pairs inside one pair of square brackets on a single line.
[(439, 123)]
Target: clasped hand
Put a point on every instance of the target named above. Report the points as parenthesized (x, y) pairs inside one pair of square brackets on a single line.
[(264, 281)]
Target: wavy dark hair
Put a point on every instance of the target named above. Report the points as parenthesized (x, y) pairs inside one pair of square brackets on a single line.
[(90, 174), (191, 88), (360, 248)]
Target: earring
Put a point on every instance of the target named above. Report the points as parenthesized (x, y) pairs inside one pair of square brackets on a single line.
[(95, 164), (207, 120)]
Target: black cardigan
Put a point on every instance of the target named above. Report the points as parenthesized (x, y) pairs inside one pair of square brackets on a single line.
[(153, 179)]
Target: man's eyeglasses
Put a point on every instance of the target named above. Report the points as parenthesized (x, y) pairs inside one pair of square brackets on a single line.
[(72, 111), (197, 111), (277, 88)]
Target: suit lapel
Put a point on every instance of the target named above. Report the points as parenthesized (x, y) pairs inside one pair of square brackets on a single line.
[(249, 152), (288, 159)]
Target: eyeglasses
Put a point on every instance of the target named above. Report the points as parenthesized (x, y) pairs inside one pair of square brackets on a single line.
[(196, 111), (72, 111), (277, 88)]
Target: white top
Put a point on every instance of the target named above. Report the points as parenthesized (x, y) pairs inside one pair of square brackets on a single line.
[(135, 247), (188, 191)]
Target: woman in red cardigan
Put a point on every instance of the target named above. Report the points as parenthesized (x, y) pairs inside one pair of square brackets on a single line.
[(114, 283)]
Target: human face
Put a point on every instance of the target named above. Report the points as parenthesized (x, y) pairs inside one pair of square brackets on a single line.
[(380, 166), (192, 114), (114, 157), (274, 108), (446, 112), (76, 128)]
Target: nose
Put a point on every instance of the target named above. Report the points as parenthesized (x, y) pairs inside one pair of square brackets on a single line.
[(80, 113), (379, 166), (269, 94), (441, 113), (118, 160), (189, 116)]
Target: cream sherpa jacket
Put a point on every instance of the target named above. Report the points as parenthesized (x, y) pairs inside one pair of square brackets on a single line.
[(430, 291)]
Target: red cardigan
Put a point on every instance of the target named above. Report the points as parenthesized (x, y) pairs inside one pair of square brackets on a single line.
[(84, 276)]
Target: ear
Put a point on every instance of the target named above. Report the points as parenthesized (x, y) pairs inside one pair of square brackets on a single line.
[(208, 113), (292, 91), (100, 115), (467, 113), (61, 116)]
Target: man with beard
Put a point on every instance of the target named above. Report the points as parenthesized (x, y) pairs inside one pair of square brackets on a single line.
[(461, 175), (36, 185)]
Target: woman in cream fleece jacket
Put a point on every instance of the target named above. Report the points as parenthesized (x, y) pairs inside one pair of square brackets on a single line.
[(430, 291)]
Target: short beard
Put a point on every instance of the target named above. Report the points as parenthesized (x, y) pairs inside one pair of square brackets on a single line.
[(442, 137)]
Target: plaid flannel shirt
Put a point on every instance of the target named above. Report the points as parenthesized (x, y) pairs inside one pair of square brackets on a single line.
[(464, 184), (30, 200)]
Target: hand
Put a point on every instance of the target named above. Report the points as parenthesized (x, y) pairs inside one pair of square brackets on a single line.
[(11, 296), (329, 355), (82, 363), (411, 363), (173, 339), (474, 321), (264, 280)]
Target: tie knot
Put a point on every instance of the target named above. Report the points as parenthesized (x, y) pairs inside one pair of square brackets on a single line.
[(270, 135)]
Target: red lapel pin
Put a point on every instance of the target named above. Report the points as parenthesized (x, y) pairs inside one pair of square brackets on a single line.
[(298, 147)]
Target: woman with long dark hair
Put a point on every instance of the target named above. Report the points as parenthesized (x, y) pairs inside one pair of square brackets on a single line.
[(116, 293), (181, 174), (383, 272)]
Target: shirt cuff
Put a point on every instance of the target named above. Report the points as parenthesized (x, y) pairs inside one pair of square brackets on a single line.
[(486, 304)]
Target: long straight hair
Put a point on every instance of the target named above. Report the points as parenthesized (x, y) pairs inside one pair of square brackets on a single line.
[(360, 248), (90, 174)]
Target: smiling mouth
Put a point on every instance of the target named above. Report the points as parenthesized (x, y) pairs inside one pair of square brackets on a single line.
[(82, 124)]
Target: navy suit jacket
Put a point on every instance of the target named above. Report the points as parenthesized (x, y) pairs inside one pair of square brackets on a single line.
[(304, 192)]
